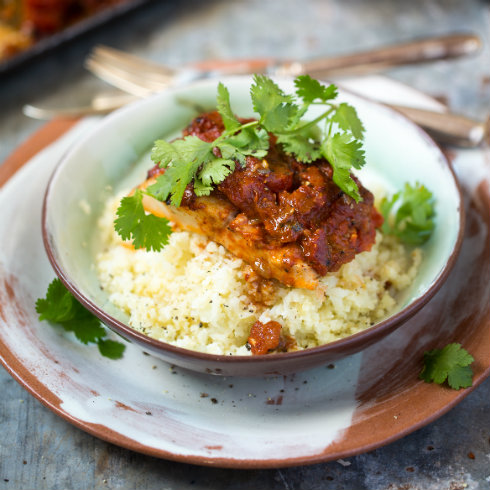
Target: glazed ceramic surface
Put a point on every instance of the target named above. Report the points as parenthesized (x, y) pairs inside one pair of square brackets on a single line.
[(333, 411), (115, 156)]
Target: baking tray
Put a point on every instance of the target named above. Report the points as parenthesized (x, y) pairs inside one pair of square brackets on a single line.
[(50, 43)]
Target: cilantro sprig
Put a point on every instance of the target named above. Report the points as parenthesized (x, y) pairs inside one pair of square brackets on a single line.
[(60, 307), (452, 363), (409, 214), (133, 223), (191, 159), (335, 134)]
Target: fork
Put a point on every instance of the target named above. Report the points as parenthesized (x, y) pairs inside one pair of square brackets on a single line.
[(444, 127), (141, 77)]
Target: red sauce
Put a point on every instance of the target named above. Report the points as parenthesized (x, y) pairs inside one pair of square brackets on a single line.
[(264, 337), (46, 17)]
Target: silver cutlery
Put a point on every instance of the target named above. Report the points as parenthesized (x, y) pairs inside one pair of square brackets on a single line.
[(444, 127), (100, 104), (141, 77)]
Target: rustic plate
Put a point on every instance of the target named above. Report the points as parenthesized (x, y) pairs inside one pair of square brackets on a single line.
[(364, 401)]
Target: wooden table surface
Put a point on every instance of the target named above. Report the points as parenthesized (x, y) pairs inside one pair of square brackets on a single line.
[(39, 450)]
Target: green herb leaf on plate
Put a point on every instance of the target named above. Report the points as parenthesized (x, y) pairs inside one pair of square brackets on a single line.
[(61, 307), (451, 364), (111, 348)]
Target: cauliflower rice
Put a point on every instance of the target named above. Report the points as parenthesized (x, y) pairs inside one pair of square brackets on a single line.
[(194, 293)]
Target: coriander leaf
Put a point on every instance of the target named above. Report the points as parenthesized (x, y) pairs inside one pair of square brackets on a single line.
[(460, 378), (310, 89), (173, 182), (61, 307), (151, 233), (215, 171), (146, 230), (162, 187), (279, 118), (192, 149), (385, 207), (295, 121), (200, 189), (111, 348), (191, 159), (84, 325), (163, 153), (267, 96), (182, 161), (409, 214), (343, 153), (224, 108), (250, 141), (58, 306), (305, 148), (230, 151), (346, 117), (180, 151), (450, 363)]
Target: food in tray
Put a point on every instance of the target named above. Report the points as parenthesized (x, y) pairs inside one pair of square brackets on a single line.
[(253, 236), (24, 22)]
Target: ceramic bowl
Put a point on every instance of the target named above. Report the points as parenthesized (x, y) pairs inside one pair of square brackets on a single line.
[(110, 158)]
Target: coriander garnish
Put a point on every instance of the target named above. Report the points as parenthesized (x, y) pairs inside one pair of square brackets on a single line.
[(61, 307), (409, 214), (452, 363), (206, 164)]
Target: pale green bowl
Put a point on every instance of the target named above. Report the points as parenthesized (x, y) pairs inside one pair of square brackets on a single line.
[(110, 158)]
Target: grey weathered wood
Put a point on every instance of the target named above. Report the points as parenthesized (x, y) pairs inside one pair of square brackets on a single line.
[(39, 450)]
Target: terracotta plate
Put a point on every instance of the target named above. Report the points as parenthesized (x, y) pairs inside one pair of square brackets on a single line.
[(362, 402)]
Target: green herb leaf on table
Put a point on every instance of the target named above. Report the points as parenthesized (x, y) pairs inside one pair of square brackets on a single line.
[(409, 214), (84, 325), (452, 363), (61, 307)]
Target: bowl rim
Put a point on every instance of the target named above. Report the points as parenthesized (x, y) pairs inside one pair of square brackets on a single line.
[(349, 343)]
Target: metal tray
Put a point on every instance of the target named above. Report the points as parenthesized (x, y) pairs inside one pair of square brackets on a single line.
[(45, 45)]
